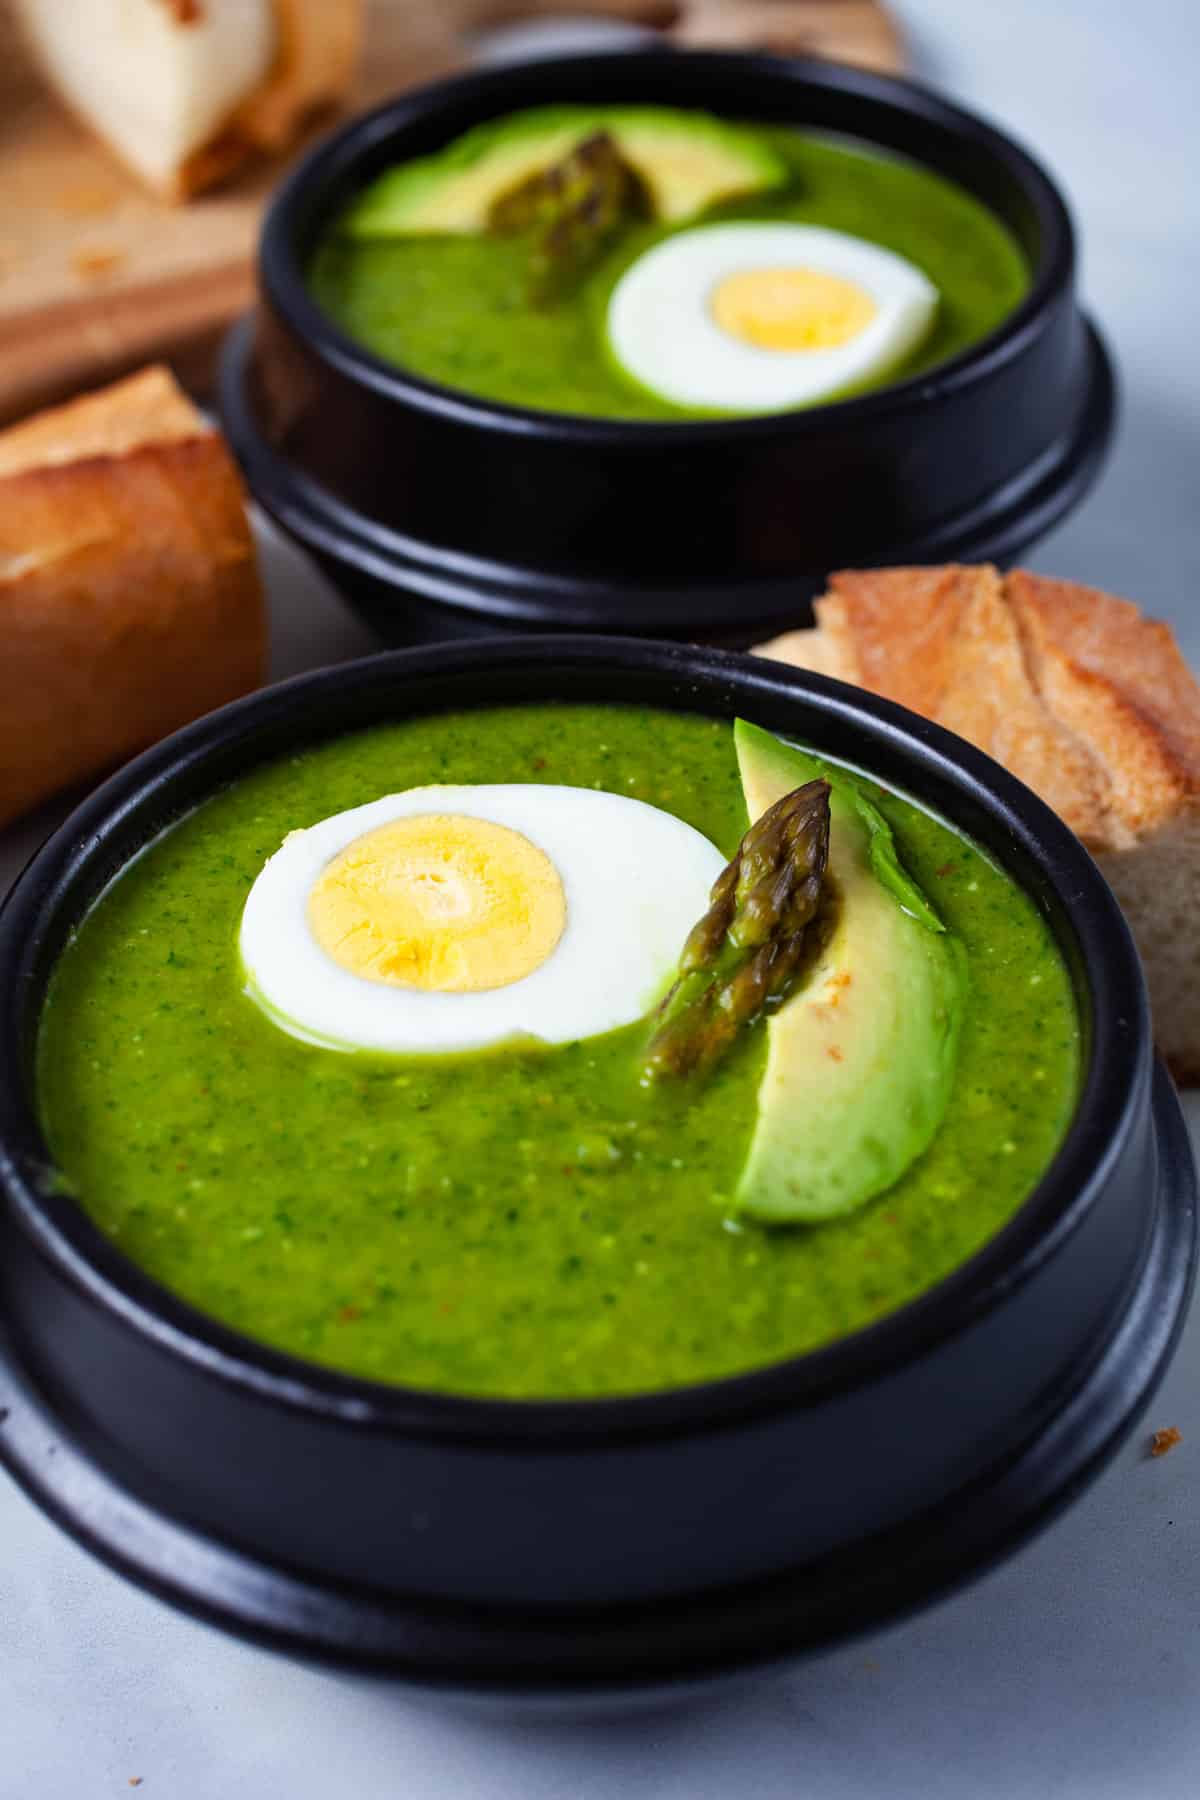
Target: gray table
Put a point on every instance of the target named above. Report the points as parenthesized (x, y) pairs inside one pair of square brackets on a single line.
[(1072, 1672)]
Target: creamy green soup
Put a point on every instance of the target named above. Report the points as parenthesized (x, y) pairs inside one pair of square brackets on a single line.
[(523, 1222), (456, 308)]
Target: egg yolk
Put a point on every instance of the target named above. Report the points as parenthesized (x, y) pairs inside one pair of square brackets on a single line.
[(791, 309), (441, 902)]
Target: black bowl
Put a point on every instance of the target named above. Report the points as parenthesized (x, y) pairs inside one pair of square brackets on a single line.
[(440, 514), (594, 1545)]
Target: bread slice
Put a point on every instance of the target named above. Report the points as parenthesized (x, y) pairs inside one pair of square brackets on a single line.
[(184, 91), (1084, 699), (129, 588)]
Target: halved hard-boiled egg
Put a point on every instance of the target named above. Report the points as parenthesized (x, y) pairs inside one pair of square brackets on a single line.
[(759, 317), (450, 918)]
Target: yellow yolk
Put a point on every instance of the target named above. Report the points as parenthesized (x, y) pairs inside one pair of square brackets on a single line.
[(439, 901), (791, 309)]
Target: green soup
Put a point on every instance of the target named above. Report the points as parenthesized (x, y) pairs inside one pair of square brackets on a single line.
[(526, 1222), (456, 309)]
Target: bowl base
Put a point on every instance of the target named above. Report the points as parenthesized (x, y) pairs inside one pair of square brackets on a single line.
[(412, 592), (580, 1660)]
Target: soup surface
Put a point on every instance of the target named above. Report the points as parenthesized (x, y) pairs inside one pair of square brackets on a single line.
[(519, 1221), (456, 308)]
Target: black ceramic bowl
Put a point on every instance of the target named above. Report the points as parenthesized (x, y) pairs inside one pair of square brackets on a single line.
[(440, 514), (570, 1548)]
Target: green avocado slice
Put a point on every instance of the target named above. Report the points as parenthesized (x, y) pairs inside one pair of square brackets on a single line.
[(861, 1059), (687, 161)]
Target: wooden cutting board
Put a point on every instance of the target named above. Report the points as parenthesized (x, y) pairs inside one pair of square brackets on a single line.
[(98, 277)]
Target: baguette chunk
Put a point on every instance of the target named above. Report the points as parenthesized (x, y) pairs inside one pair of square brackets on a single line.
[(185, 91), (1082, 697), (129, 592)]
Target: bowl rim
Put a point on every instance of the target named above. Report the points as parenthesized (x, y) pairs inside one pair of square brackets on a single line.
[(266, 724), (282, 282)]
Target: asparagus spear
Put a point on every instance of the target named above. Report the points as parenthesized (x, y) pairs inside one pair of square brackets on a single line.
[(744, 954), (572, 210)]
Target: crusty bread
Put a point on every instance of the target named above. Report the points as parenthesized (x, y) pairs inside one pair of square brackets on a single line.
[(129, 590), (149, 408), (1083, 698), (318, 44), (185, 91)]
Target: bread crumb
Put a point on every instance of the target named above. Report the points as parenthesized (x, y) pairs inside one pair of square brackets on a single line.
[(1164, 1440), (97, 264)]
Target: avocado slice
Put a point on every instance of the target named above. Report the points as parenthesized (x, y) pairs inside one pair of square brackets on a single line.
[(861, 1059), (687, 161)]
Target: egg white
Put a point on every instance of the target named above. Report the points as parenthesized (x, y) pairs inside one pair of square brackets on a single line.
[(662, 332), (635, 880)]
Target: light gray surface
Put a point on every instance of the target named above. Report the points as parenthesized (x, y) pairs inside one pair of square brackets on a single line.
[(1073, 1672)]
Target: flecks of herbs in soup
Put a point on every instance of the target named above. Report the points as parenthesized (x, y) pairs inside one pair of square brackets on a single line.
[(521, 1222), (456, 308)]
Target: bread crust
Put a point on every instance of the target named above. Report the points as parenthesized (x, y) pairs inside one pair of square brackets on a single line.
[(987, 697), (1120, 681), (860, 611), (128, 585), (320, 42), (1084, 699), (149, 407)]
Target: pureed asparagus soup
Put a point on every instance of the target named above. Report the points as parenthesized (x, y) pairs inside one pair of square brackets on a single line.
[(645, 263), (764, 1104)]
